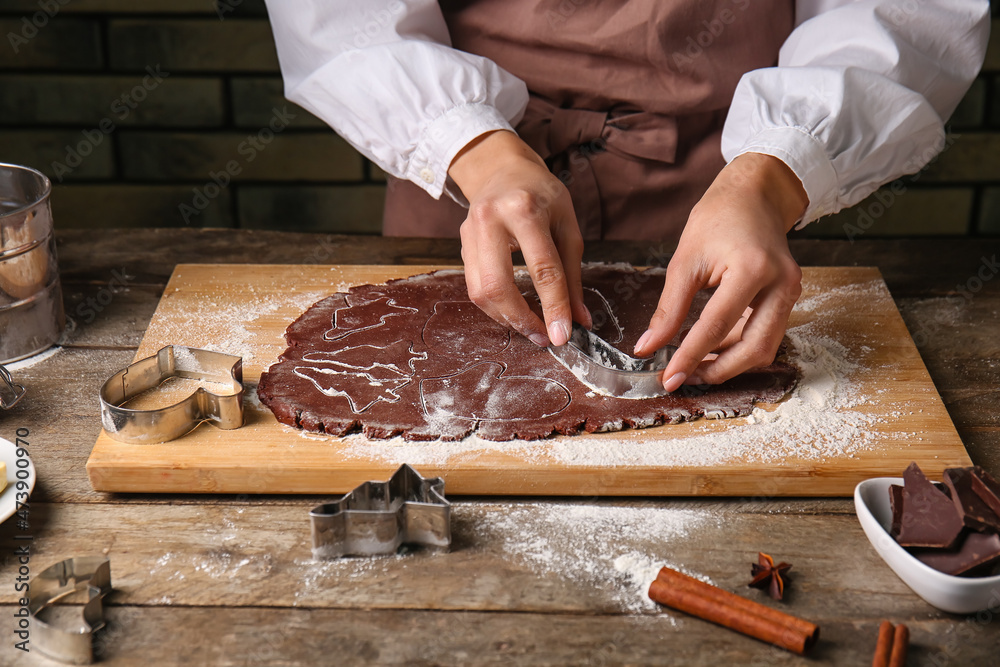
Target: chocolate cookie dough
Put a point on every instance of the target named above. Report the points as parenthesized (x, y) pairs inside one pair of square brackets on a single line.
[(416, 358)]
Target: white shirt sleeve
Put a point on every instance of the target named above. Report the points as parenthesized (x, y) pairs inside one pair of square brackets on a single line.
[(383, 74), (860, 93)]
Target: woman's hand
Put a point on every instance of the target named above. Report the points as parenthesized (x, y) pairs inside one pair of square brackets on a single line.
[(734, 240), (515, 203)]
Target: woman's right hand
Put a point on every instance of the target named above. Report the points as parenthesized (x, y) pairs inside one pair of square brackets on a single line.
[(516, 203)]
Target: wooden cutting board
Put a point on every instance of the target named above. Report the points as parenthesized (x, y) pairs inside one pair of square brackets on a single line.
[(866, 407)]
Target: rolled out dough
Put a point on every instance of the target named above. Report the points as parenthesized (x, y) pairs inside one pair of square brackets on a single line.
[(416, 358)]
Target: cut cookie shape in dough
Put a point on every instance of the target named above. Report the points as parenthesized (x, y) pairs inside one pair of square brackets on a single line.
[(485, 392)]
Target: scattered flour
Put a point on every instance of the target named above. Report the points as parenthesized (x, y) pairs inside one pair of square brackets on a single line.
[(817, 421), (614, 552), (859, 292), (594, 543), (229, 326), (31, 361), (173, 390)]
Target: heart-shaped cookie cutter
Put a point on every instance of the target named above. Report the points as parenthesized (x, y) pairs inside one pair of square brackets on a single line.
[(74, 646), (608, 370), (377, 517), (161, 425)]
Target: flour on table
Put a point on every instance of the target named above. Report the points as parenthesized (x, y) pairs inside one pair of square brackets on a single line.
[(228, 326), (593, 542), (615, 552), (818, 421)]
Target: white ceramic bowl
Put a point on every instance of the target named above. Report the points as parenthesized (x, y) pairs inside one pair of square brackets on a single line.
[(8, 498), (958, 595)]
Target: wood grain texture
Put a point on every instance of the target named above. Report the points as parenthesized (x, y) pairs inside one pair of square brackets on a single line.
[(820, 536), (267, 637), (204, 304), (543, 557), (235, 585)]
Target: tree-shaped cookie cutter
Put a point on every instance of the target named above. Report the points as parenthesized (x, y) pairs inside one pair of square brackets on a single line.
[(75, 646), (224, 410), (378, 517)]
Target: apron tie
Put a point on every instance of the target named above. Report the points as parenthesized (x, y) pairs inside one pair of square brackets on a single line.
[(569, 139), (551, 130)]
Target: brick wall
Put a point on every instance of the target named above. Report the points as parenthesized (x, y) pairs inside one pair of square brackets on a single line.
[(139, 110)]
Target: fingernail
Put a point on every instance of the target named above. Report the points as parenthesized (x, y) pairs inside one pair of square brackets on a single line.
[(558, 333), (675, 381), (589, 319), (643, 339), (539, 339), (694, 379)]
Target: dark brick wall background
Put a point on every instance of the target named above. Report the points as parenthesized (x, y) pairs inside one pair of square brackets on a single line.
[(169, 113)]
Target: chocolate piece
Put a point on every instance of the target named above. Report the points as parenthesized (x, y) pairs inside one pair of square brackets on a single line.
[(416, 358), (975, 513), (768, 576), (896, 503), (976, 552), (929, 518), (987, 488)]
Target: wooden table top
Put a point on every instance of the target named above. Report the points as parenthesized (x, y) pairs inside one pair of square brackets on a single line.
[(229, 580)]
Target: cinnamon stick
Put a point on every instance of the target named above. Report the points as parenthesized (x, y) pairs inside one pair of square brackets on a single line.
[(899, 645), (883, 648), (890, 651), (679, 591)]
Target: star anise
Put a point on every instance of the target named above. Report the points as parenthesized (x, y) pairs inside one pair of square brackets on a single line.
[(768, 576)]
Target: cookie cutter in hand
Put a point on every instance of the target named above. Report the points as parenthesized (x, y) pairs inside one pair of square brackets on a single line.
[(377, 517), (75, 646), (605, 368), (10, 391), (149, 426)]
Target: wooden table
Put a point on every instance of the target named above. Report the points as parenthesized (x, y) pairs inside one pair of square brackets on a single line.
[(228, 580)]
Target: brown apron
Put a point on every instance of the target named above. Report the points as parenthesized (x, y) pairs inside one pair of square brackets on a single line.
[(627, 102)]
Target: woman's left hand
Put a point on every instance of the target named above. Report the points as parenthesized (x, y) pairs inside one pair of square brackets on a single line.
[(734, 240)]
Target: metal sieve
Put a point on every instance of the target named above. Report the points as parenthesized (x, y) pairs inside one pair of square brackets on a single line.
[(31, 307)]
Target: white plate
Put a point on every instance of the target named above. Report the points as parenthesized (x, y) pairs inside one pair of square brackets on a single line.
[(9, 497), (958, 595)]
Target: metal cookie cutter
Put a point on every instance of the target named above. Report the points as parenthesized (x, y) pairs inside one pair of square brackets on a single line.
[(610, 371), (10, 391), (91, 573), (377, 517), (147, 426)]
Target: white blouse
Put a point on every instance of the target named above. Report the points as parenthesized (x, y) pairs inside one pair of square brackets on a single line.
[(859, 96)]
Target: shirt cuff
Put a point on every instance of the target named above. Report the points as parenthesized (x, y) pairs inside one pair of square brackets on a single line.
[(807, 158), (441, 141)]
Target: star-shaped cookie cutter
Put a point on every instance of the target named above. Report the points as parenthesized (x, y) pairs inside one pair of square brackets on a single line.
[(75, 646), (377, 517), (149, 426)]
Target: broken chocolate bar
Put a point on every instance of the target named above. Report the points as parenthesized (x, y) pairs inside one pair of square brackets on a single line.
[(975, 513), (987, 488), (929, 518), (896, 504), (977, 552)]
